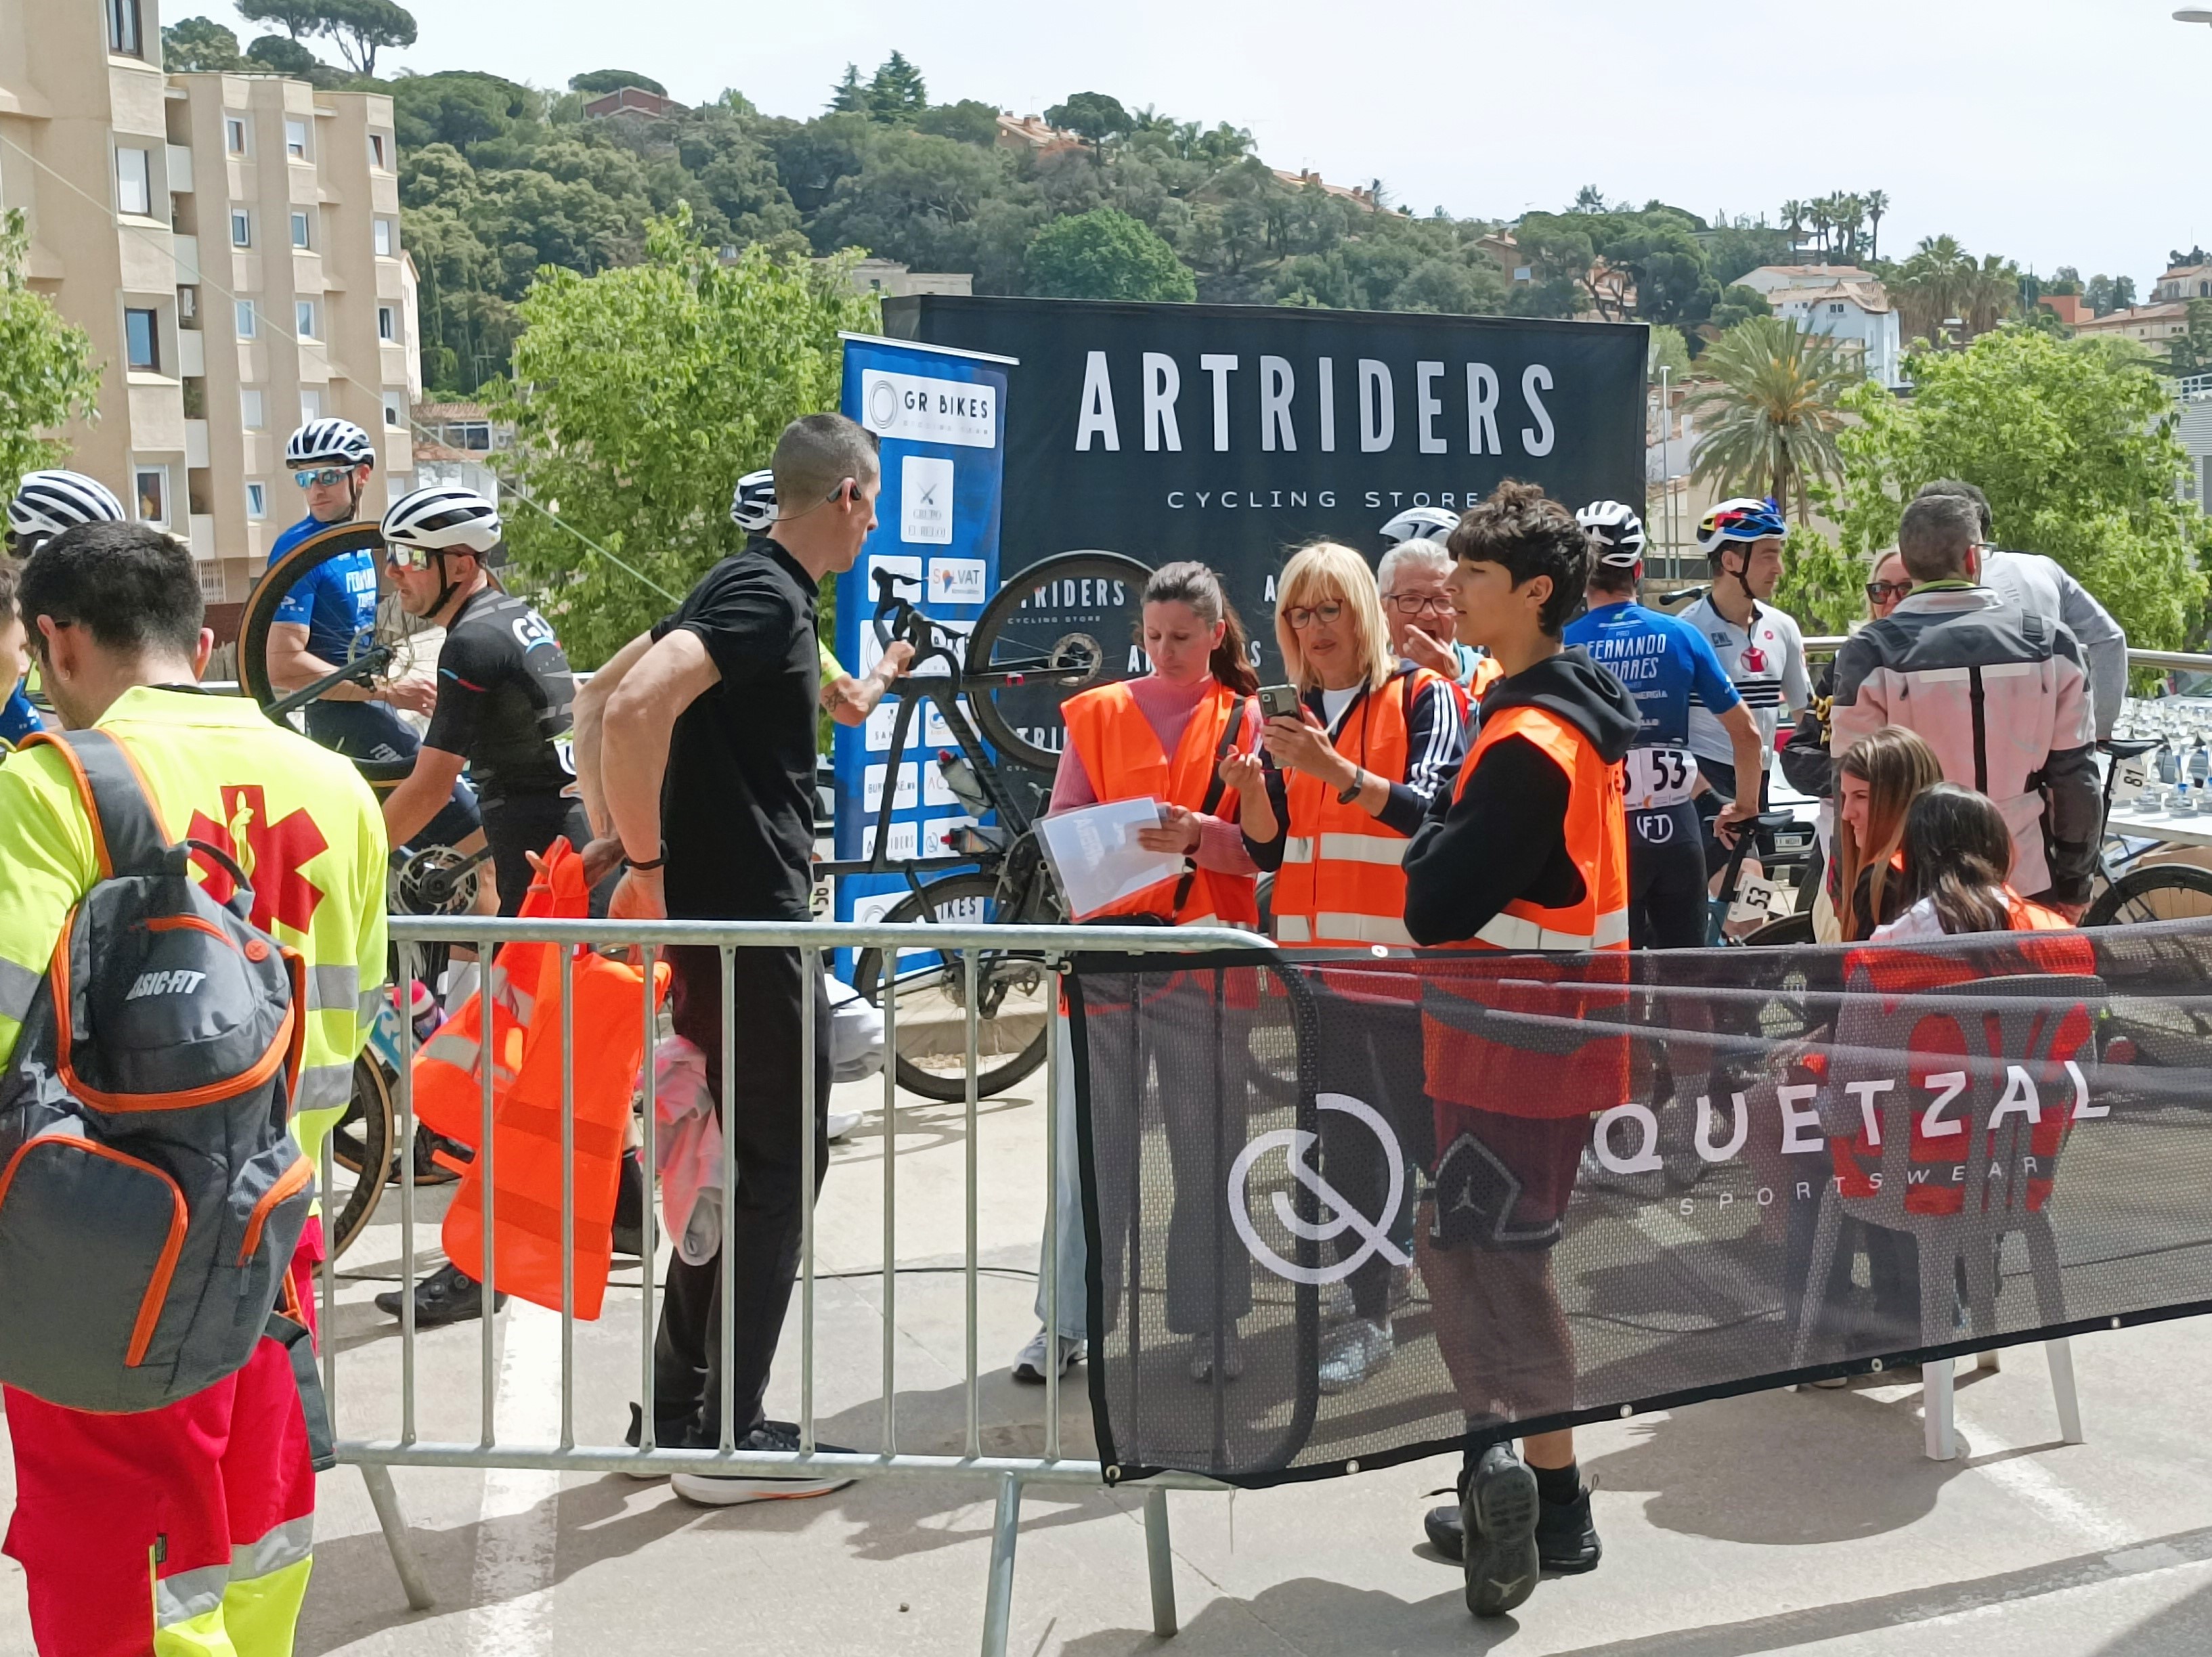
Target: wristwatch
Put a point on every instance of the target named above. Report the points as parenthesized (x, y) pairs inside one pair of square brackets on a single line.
[(1345, 796)]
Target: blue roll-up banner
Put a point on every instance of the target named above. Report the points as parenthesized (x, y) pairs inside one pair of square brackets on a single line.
[(940, 417)]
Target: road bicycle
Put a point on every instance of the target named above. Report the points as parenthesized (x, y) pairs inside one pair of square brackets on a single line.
[(1058, 628), (2133, 893)]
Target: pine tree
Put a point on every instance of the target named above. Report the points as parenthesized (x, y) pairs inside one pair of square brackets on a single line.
[(896, 93), (848, 96)]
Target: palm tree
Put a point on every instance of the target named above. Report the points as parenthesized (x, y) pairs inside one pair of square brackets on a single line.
[(1877, 203), (1850, 217), (1823, 220), (1933, 285), (1992, 294), (1769, 420), (1793, 220)]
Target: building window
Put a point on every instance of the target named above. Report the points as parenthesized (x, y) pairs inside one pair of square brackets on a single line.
[(211, 583), (387, 323), (134, 183), (124, 35), (379, 151), (300, 237), (234, 134), (310, 405), (472, 434), (384, 239), (250, 413), (249, 320), (1835, 310), (256, 500), (303, 318), (296, 139), (241, 228), (395, 410), (142, 341), (152, 485)]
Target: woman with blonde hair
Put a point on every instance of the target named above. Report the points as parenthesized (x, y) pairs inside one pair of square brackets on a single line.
[(1876, 781), (1373, 740)]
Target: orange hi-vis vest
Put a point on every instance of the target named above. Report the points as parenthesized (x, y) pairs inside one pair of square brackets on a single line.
[(1123, 761), (607, 1045), (1343, 878), (1519, 1035), (1486, 673)]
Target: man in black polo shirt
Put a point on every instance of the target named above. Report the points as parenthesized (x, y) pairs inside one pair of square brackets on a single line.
[(696, 747)]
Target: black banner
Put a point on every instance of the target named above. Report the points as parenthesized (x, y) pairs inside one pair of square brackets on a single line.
[(1234, 434), (1573, 1188)]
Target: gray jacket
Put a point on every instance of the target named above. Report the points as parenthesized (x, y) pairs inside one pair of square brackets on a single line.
[(2042, 587), (2002, 696)]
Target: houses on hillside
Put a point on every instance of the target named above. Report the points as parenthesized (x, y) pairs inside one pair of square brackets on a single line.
[(1845, 303)]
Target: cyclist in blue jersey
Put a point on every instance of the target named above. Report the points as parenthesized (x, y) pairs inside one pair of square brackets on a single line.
[(45, 504), (1663, 662), (329, 616)]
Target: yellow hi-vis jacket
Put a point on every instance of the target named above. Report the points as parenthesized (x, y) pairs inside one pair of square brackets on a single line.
[(295, 816)]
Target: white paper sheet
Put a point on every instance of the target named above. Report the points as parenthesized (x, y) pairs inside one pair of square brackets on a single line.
[(1094, 853)]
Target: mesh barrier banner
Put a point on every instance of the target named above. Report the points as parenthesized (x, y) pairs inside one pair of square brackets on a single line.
[(1574, 1188)]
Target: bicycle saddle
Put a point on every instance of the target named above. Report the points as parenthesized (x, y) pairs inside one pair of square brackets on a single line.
[(2126, 748)]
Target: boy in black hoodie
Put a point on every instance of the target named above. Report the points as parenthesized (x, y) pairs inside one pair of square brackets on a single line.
[(1528, 853)]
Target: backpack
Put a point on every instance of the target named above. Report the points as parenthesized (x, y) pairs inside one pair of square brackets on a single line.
[(151, 1193)]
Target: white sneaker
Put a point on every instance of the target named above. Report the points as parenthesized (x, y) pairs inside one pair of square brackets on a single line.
[(843, 1122), (1401, 1285), (1202, 1355), (1356, 1351), (760, 1483), (1030, 1361), (1336, 1301)]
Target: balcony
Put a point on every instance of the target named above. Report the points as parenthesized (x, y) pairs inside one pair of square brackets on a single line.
[(202, 538), (186, 250), (191, 353), (180, 170), (195, 443)]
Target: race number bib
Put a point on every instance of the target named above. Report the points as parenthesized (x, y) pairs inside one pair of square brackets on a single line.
[(1659, 777)]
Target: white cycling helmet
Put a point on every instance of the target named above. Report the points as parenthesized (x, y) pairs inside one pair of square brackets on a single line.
[(48, 502), (752, 508), (326, 441), (1618, 532), (443, 518), (1421, 522)]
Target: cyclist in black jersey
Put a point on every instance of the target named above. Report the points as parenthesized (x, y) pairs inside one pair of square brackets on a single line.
[(504, 689)]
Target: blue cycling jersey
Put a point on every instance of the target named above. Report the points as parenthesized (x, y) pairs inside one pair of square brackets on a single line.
[(1661, 659), (337, 602), (18, 718)]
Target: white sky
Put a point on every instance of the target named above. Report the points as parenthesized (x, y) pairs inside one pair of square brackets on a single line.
[(2055, 131)]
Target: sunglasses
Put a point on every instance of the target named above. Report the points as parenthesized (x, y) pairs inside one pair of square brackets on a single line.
[(1880, 593), (328, 475), (1303, 616), (408, 557), (1415, 603)]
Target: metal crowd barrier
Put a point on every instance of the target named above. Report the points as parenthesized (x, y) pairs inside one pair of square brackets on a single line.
[(1006, 1474)]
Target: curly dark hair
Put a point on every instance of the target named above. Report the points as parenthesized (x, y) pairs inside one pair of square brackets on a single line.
[(1529, 533)]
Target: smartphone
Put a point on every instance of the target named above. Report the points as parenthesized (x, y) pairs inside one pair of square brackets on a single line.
[(1278, 702)]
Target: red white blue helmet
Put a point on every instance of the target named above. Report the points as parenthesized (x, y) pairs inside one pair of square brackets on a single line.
[(330, 439), (49, 502), (1617, 531), (1744, 518)]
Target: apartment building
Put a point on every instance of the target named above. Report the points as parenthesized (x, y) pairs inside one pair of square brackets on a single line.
[(232, 244)]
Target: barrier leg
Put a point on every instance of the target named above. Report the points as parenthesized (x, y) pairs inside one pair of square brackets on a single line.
[(999, 1593), (1935, 1403), (394, 1517), (1159, 1558), (1988, 1362), (2061, 1356)]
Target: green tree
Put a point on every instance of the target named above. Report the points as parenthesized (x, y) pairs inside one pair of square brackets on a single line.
[(637, 395), (968, 121), (2072, 440), (1877, 208), (849, 96), (2191, 353), (199, 44), (362, 28), (1822, 586), (1737, 305), (598, 82), (279, 54), (48, 374), (1669, 350), (295, 17), (1768, 422), (1106, 254), (1094, 117), (1932, 286), (897, 92), (2065, 280)]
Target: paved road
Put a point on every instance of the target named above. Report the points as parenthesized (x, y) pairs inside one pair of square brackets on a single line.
[(1801, 1522)]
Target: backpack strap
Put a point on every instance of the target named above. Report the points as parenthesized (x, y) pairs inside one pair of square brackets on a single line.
[(126, 835), (1232, 734)]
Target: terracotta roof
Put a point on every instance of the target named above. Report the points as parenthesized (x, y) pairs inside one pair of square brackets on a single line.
[(2165, 311), (1870, 296)]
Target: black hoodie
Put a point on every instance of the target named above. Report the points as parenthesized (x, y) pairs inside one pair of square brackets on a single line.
[(1505, 836)]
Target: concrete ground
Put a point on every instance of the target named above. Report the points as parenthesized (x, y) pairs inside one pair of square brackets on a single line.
[(1803, 1522)]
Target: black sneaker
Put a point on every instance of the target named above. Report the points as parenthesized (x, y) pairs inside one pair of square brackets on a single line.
[(1498, 1519), (728, 1490), (1566, 1536), (446, 1296)]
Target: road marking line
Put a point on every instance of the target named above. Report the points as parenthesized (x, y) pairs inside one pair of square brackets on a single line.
[(517, 1523), (2028, 1478)]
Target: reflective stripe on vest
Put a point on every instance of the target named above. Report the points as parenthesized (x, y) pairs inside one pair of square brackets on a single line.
[(1123, 760), (1343, 878)]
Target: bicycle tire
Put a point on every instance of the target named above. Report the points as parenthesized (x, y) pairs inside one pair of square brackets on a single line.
[(930, 1025), (260, 615), (1790, 929), (371, 1114), (1008, 715), (2164, 891)]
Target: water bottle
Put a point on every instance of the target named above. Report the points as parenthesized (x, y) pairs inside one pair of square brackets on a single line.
[(2169, 766)]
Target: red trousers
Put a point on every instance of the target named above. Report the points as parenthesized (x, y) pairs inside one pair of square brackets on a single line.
[(180, 1531)]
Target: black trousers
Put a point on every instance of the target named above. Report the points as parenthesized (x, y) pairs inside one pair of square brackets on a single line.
[(1370, 1049), (761, 1120), (518, 825)]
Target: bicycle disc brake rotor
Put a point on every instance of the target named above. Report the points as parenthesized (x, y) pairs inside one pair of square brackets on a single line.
[(436, 881), (1078, 650)]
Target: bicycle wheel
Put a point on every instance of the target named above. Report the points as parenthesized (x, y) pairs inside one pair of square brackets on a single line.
[(1014, 995), (2164, 891), (1066, 625), (1790, 929), (260, 615), (360, 1156)]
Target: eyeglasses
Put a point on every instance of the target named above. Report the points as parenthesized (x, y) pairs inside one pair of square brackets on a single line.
[(1415, 603), (398, 557), (1884, 593), (328, 475), (1302, 616)]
